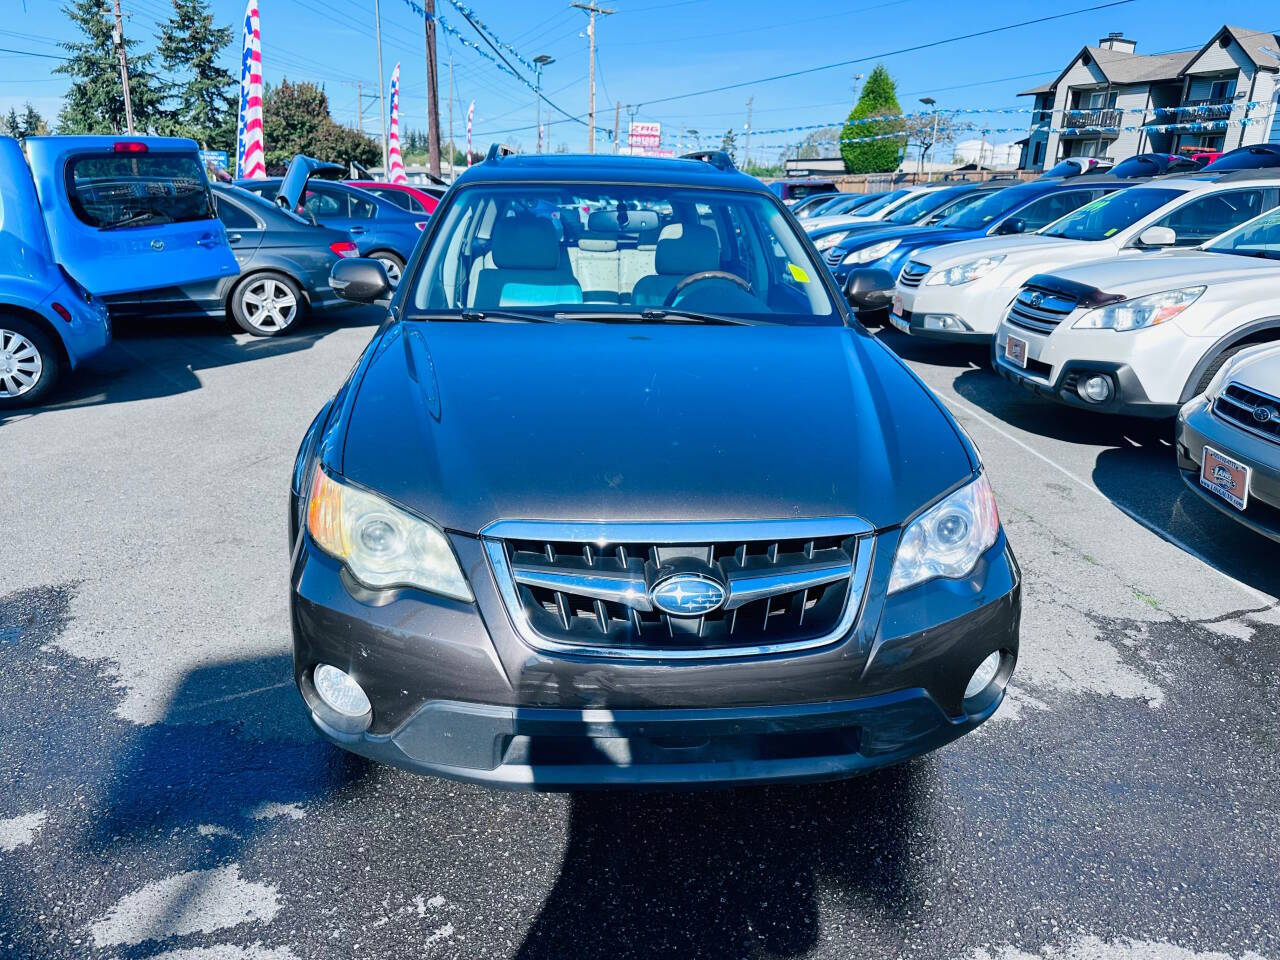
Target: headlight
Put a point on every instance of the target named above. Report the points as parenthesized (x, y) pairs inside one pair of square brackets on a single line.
[(382, 545), (947, 539), (966, 272), (873, 252), (830, 240), (1141, 312)]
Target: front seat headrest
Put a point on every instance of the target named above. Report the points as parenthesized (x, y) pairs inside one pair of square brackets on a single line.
[(525, 243), (696, 250)]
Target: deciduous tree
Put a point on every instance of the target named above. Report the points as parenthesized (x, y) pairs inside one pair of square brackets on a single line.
[(295, 119)]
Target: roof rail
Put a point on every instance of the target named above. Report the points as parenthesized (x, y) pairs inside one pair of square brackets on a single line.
[(717, 158), (499, 150)]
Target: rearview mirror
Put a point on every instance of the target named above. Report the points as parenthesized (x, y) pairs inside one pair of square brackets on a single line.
[(1012, 225), (1157, 237), (359, 280)]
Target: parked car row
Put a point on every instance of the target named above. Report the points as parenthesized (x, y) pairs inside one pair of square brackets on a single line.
[(1146, 290), (93, 228)]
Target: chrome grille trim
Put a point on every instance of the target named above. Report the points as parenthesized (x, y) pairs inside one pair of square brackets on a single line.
[(746, 585), (1039, 310), (913, 273), (1236, 403)]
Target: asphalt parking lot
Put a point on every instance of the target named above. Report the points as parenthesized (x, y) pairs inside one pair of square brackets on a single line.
[(167, 798)]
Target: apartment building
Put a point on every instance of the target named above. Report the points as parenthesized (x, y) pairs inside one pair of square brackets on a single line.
[(1111, 101)]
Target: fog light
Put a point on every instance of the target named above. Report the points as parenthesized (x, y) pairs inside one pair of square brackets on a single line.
[(1095, 389), (340, 692), (942, 321), (983, 676)]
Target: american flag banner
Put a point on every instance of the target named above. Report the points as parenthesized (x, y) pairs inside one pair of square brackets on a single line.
[(396, 174), (471, 112), (251, 161)]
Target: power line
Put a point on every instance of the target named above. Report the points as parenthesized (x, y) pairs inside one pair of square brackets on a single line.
[(889, 53)]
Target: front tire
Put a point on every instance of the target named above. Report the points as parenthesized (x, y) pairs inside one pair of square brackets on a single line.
[(29, 363), (266, 304), (392, 263)]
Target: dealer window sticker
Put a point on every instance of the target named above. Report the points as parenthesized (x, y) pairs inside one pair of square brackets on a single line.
[(797, 273)]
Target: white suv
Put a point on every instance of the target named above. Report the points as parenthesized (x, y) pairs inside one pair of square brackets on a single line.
[(961, 291), (1144, 335)]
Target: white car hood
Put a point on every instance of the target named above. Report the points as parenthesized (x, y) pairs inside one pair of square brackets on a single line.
[(1021, 247), (1157, 272)]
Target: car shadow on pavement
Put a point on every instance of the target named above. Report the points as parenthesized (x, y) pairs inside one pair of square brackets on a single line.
[(937, 353), (732, 873), (1137, 471), (153, 357)]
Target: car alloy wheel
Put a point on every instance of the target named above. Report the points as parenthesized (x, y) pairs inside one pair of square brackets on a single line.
[(393, 268), (20, 364), (269, 305)]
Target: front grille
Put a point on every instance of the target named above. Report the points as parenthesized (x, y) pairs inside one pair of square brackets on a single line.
[(913, 273), (1041, 310), (587, 588), (1256, 412), (834, 256)]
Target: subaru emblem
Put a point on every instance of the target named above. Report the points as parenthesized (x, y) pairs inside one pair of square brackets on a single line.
[(1036, 299), (688, 595), (157, 245), (1264, 414)]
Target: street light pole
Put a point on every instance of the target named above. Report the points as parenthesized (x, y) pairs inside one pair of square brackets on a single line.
[(540, 61), (930, 102)]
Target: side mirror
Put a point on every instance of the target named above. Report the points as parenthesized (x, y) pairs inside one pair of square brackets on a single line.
[(869, 289), (359, 280), (1012, 225), (1157, 237)]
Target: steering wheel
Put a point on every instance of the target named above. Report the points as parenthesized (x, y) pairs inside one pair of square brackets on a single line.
[(699, 277)]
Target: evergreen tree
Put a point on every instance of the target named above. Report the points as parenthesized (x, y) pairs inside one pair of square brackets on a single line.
[(33, 124), (879, 98), (95, 101), (204, 96), (12, 125)]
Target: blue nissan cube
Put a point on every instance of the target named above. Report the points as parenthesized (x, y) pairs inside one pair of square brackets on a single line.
[(83, 218)]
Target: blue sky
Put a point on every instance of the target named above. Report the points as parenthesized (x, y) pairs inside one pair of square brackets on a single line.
[(652, 49)]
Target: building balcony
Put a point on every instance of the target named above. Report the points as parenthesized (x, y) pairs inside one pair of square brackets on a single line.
[(1104, 122), (1196, 111)]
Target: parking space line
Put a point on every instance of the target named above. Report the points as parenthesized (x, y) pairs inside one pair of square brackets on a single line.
[(231, 696), (967, 409)]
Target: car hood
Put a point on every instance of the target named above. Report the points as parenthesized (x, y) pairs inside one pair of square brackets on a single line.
[(1023, 246), (1257, 367), (874, 233), (1157, 272), (468, 423)]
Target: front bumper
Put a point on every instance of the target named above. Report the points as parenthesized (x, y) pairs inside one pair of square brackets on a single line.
[(456, 692), (1197, 428), (914, 324), (1049, 376)]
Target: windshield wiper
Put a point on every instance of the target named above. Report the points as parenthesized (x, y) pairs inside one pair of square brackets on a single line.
[(483, 316)]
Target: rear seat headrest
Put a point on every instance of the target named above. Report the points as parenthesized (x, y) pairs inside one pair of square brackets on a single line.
[(597, 244), (695, 250), (525, 243)]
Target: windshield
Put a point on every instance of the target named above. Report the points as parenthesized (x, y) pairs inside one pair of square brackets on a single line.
[(990, 208), (1106, 216), (138, 189), (615, 252), (878, 204), (1259, 237), (920, 207)]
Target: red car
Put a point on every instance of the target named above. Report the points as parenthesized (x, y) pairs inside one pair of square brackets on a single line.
[(401, 194)]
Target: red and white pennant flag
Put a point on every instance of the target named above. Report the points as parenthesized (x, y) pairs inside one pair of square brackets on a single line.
[(251, 161), (396, 162)]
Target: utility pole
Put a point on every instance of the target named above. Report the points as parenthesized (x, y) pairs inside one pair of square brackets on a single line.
[(452, 150), (617, 124), (382, 96), (746, 147), (124, 68), (433, 93), (540, 61), (359, 107), (592, 10), (857, 80), (933, 105)]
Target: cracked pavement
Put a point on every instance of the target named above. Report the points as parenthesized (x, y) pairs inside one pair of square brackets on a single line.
[(168, 799)]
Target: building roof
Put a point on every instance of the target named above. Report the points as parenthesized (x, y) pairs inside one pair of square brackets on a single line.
[(1260, 46), (1046, 87)]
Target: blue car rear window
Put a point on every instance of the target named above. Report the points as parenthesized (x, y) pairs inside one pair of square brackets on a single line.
[(138, 190)]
